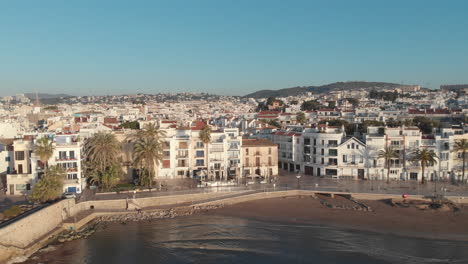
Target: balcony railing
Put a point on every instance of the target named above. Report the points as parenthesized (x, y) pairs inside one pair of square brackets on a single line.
[(65, 158), (182, 156)]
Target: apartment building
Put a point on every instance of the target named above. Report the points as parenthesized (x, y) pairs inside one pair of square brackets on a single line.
[(186, 155), (260, 159), (22, 175), (27, 169)]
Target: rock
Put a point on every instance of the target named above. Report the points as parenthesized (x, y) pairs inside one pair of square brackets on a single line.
[(422, 206), (444, 208)]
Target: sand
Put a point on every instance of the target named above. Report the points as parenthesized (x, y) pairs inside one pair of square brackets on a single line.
[(383, 218)]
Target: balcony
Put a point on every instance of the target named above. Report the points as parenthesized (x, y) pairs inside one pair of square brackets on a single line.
[(182, 156), (214, 150), (65, 158), (334, 145), (71, 181), (72, 169), (332, 163)]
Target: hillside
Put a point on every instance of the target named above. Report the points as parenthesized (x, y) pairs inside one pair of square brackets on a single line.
[(337, 86)]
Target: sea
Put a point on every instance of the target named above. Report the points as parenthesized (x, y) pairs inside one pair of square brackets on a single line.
[(207, 238)]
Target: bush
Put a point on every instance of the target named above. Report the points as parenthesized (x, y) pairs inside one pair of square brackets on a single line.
[(12, 211)]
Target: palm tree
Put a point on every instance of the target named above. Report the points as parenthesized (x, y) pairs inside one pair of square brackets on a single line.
[(462, 146), (150, 130), (148, 154), (102, 151), (426, 157), (205, 137), (44, 148), (388, 153)]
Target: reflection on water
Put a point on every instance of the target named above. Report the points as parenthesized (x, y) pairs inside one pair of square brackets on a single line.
[(217, 239)]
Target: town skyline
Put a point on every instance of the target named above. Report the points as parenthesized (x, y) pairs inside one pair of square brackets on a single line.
[(226, 48)]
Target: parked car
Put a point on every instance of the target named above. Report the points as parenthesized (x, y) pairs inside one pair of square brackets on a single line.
[(69, 195)]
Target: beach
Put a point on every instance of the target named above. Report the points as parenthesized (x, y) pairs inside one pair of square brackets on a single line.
[(383, 217)]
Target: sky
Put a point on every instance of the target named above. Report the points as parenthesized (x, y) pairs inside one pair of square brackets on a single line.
[(230, 47)]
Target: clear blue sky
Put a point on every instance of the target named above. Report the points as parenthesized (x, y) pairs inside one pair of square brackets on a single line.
[(227, 46)]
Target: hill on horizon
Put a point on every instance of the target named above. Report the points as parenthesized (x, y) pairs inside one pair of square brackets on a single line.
[(336, 86)]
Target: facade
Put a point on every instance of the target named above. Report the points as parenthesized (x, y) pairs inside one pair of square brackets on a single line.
[(260, 159), (26, 168)]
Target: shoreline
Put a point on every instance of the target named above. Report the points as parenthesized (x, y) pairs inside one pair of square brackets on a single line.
[(375, 216), (383, 219)]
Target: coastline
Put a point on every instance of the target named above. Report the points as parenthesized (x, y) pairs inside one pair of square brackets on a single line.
[(384, 218), (317, 209)]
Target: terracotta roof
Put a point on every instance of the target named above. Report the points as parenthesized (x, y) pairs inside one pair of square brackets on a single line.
[(246, 142)]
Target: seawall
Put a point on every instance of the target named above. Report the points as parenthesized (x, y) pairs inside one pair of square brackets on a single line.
[(25, 236)]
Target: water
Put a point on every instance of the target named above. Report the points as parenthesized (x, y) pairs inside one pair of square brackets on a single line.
[(219, 239)]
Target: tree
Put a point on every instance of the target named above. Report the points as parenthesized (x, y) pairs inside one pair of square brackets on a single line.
[(147, 155), (102, 151), (49, 187), (205, 137), (387, 154), (301, 118), (462, 146), (425, 124), (294, 102), (44, 148), (353, 101), (331, 104), (425, 157), (108, 178), (150, 130), (131, 125), (274, 123), (310, 105)]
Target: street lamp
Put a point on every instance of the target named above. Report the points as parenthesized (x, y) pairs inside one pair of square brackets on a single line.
[(298, 177)]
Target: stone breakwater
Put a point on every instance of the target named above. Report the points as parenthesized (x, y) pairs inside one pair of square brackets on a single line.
[(156, 214)]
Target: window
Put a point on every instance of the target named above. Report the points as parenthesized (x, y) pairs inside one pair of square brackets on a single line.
[(269, 161), (20, 187), (19, 155), (323, 161), (247, 150), (200, 153), (7, 158), (200, 144), (62, 155), (167, 144), (375, 163), (315, 141), (269, 151), (20, 168), (353, 158), (306, 141), (352, 145), (257, 161), (270, 171), (181, 163), (345, 158), (361, 159), (166, 164), (166, 154), (200, 162), (183, 145), (322, 151), (357, 146), (348, 146), (72, 154), (217, 166), (180, 173), (72, 176), (246, 161), (332, 152), (395, 143)]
